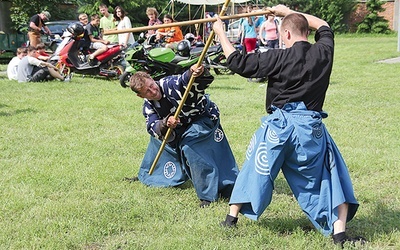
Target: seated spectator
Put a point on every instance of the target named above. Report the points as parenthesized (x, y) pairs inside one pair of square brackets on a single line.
[(85, 41), (152, 14), (171, 35), (99, 44), (41, 52), (12, 67), (31, 69)]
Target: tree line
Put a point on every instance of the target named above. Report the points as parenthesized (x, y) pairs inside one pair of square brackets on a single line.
[(335, 12)]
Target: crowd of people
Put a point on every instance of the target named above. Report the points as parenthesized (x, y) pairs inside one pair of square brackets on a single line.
[(292, 137)]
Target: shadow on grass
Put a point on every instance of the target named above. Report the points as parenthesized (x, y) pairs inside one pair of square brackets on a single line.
[(286, 225), (383, 220), (227, 87), (16, 112), (3, 105)]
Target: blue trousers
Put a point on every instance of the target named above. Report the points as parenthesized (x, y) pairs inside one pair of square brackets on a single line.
[(203, 154), (168, 171), (295, 140)]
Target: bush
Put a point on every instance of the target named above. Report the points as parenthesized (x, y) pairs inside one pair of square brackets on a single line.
[(373, 22)]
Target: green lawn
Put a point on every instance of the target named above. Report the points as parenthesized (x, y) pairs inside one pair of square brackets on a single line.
[(66, 147)]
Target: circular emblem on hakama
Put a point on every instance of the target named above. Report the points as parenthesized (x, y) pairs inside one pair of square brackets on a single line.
[(317, 131), (331, 160), (271, 136), (169, 170), (261, 160), (218, 135), (251, 146)]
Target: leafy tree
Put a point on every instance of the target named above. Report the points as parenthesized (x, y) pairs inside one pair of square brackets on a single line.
[(373, 23), (335, 12), (22, 10), (136, 10)]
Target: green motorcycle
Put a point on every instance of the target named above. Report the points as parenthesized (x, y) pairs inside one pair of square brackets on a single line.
[(158, 62)]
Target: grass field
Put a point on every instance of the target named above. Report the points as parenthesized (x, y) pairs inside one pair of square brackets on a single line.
[(66, 147)]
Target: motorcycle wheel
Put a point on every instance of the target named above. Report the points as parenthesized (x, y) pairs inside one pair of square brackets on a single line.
[(124, 79), (64, 70), (118, 68), (221, 60)]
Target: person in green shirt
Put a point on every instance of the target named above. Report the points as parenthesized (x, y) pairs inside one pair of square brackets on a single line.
[(107, 22)]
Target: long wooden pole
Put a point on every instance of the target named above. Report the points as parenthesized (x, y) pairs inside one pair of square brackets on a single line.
[(186, 23), (187, 91)]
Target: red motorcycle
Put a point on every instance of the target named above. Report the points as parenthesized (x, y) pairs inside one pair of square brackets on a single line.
[(69, 58)]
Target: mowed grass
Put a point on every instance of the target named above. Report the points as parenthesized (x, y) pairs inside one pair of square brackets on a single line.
[(66, 147)]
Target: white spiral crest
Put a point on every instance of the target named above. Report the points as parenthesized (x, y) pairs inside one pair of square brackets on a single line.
[(218, 135), (251, 146), (261, 160), (169, 170), (272, 136)]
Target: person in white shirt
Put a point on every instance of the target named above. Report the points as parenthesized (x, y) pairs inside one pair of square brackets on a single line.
[(31, 69), (12, 67), (124, 22)]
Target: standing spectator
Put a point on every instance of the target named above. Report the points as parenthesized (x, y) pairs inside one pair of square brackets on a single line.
[(171, 35), (198, 138), (12, 67), (36, 24), (99, 44), (31, 69), (293, 138), (107, 22), (249, 34), (124, 39), (269, 32), (152, 14)]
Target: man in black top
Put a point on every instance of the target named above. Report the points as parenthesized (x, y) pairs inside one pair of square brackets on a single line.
[(36, 24), (292, 137)]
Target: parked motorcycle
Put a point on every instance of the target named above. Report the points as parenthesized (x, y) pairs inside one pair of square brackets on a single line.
[(160, 62), (69, 57), (157, 61), (216, 60)]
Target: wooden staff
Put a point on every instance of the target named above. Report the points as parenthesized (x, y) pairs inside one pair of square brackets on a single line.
[(188, 88), (186, 23)]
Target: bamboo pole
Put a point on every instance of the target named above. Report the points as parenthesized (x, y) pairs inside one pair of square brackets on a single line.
[(188, 88), (186, 23)]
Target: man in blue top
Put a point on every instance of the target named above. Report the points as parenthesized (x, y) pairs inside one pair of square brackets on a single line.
[(198, 140), (292, 137)]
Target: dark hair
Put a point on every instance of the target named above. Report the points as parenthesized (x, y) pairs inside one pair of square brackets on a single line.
[(297, 23), (40, 46), (116, 17), (94, 16), (169, 16), (31, 48)]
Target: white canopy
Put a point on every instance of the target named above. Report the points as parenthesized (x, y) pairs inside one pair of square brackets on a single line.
[(209, 2)]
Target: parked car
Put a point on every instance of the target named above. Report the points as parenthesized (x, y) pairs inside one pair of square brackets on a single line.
[(233, 31), (56, 28)]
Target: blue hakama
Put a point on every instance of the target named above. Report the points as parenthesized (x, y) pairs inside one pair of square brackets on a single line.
[(295, 140)]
